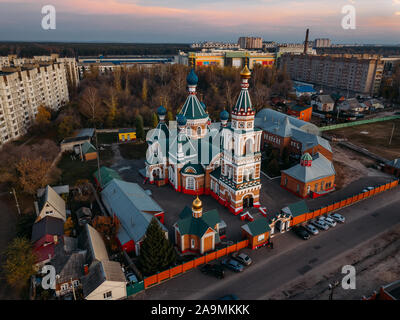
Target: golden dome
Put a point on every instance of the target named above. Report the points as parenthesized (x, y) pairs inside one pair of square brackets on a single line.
[(197, 204), (245, 72)]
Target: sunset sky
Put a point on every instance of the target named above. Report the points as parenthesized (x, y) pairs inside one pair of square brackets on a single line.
[(184, 21)]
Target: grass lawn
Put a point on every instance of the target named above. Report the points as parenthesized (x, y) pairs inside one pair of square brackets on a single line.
[(73, 170), (133, 150), (374, 137), (107, 137)]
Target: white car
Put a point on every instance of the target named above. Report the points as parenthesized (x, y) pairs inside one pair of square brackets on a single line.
[(338, 217), (329, 221), (320, 224), (310, 228), (370, 188)]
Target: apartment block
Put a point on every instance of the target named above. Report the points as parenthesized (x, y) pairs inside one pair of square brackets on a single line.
[(361, 74), (23, 90), (250, 42)]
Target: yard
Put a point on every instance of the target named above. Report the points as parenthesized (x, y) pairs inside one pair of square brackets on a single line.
[(374, 137), (107, 137), (133, 150), (73, 170)]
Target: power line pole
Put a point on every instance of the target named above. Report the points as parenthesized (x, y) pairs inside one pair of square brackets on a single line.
[(16, 201), (391, 136)]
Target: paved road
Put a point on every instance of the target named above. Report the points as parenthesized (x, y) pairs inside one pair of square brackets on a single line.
[(291, 257)]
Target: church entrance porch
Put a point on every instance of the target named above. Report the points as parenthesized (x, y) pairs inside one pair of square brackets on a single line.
[(248, 202)]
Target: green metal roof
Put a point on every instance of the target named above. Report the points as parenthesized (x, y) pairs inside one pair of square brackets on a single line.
[(297, 209), (87, 147), (188, 224), (257, 227), (192, 109), (197, 168), (299, 108), (106, 175)]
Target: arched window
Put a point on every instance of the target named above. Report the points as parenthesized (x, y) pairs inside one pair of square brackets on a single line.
[(199, 131), (248, 147), (190, 183)]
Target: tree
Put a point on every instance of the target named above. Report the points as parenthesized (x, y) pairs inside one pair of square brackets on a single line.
[(157, 253), (19, 262), (144, 90), (139, 127), (112, 105), (43, 117), (66, 127), (170, 117), (68, 226), (83, 190), (90, 105), (24, 225), (154, 120), (108, 227), (32, 174)]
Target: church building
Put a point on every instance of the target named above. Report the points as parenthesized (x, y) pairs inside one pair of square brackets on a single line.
[(200, 157)]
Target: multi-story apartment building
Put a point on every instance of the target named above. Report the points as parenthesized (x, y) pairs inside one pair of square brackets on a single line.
[(250, 42), (23, 90), (322, 43), (361, 74), (71, 66)]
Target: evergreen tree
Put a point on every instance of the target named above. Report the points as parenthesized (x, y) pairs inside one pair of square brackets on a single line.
[(157, 253), (139, 127), (154, 120)]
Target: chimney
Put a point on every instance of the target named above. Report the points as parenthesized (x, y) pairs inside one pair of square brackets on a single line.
[(85, 269), (306, 42)]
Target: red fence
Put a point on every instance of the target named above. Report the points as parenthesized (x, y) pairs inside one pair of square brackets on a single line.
[(175, 271), (343, 203)]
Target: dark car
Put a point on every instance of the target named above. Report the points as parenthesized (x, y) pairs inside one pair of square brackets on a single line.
[(213, 270), (233, 265), (301, 232), (229, 297)]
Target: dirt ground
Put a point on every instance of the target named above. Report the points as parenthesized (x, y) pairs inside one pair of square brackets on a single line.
[(374, 137), (351, 166), (376, 261)]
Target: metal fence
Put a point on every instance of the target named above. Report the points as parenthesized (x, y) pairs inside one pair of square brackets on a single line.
[(357, 123)]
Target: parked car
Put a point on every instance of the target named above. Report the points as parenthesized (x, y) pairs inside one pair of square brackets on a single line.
[(320, 224), (370, 188), (364, 190), (229, 297), (213, 270), (233, 265), (311, 229), (301, 232), (329, 221), (338, 217), (242, 258)]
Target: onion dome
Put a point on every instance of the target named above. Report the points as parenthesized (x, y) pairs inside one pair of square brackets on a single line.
[(192, 78), (224, 115), (203, 105), (197, 204), (245, 73), (161, 111), (306, 160), (181, 119)]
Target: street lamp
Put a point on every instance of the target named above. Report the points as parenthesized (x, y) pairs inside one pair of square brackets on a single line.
[(16, 200)]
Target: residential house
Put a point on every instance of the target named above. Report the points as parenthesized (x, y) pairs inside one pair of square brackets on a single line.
[(351, 106), (323, 102), (88, 152), (50, 205), (135, 209), (103, 279), (46, 234), (304, 90), (126, 134), (257, 232), (393, 167), (312, 177), (297, 211), (74, 144), (196, 231), (300, 112)]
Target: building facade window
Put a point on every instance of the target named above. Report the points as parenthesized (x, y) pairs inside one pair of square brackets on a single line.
[(190, 183), (192, 243), (107, 295)]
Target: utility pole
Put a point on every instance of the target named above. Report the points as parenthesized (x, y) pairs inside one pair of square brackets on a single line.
[(332, 287), (16, 200), (391, 136), (73, 289)]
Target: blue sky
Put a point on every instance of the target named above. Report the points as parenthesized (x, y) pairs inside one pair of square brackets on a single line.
[(377, 21)]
